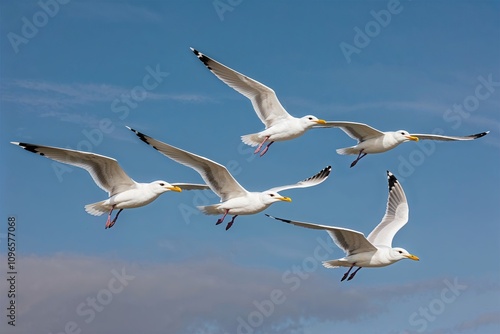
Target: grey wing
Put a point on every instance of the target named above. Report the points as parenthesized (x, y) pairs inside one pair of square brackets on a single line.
[(191, 186), (105, 171), (309, 182), (449, 138), (357, 131), (215, 175), (396, 215), (350, 241), (264, 99)]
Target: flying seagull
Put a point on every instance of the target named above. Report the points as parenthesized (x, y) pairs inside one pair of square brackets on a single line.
[(371, 140), (376, 250), (280, 125), (235, 200), (124, 193)]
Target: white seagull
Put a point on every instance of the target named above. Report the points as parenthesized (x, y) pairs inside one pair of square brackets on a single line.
[(371, 140), (280, 125), (235, 200), (376, 250), (124, 193)]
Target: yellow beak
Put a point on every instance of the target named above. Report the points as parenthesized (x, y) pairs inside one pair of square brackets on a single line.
[(286, 199), (174, 188), (413, 257), (412, 138), (321, 121)]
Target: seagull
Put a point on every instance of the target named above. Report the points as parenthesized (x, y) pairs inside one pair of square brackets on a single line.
[(371, 140), (124, 193), (376, 250), (280, 125), (235, 200)]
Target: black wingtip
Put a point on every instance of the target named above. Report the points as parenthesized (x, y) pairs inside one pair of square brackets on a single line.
[(327, 170), (204, 59), (479, 135), (283, 220), (133, 130), (141, 136), (323, 174), (392, 180), (29, 147)]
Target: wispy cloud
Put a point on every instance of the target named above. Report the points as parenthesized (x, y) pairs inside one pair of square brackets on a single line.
[(487, 319), (56, 96), (201, 295)]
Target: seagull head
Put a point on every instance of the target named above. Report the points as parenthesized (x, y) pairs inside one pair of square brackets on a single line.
[(269, 197), (163, 186), (311, 120), (403, 136), (400, 253)]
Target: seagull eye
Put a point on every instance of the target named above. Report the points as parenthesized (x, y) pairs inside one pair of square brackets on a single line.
[(400, 252), (162, 184), (310, 118), (272, 195)]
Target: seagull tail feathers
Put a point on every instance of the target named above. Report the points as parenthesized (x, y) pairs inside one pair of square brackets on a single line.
[(210, 209), (97, 209), (347, 151), (332, 263), (252, 139)]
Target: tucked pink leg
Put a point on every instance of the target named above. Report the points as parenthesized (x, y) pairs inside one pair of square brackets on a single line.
[(108, 222), (114, 220), (267, 148), (260, 145), (220, 220)]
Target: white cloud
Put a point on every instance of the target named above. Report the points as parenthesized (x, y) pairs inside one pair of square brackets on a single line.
[(199, 296)]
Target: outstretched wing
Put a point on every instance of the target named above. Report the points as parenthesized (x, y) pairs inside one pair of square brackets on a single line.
[(215, 175), (350, 241), (264, 99), (396, 215), (105, 171), (449, 138), (357, 131), (191, 186), (309, 182)]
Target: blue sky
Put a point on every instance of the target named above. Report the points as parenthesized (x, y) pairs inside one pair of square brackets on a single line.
[(166, 267)]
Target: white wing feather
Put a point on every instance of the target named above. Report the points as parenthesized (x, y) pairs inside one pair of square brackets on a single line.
[(357, 131), (264, 99), (350, 241), (214, 174), (396, 215), (105, 171), (449, 138), (191, 186), (309, 182)]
